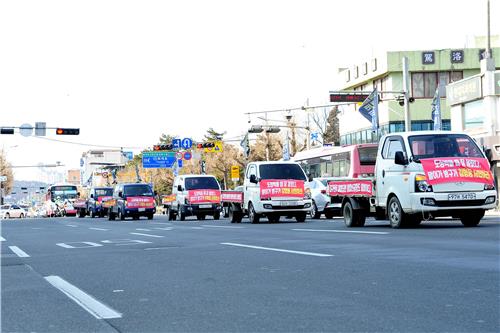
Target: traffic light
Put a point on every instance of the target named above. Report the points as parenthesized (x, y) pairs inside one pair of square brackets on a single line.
[(205, 145), (5, 130), (68, 131), (162, 147)]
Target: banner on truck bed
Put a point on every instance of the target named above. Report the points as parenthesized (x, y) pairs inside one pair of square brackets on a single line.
[(168, 199), (232, 196), (457, 169), (140, 202), (350, 187), (203, 196), (80, 203), (270, 188)]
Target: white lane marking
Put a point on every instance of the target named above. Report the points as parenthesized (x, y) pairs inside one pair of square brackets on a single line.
[(168, 228), (164, 223), (197, 228), (222, 226), (20, 253), (147, 235), (121, 242), (99, 229), (345, 231), (86, 301), (2, 239), (88, 244), (156, 248), (71, 225), (142, 229), (279, 250)]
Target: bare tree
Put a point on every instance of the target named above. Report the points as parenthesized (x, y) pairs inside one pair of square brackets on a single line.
[(320, 120)]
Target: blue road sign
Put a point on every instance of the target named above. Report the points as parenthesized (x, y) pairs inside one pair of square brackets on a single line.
[(187, 155), (176, 143), (158, 159), (179, 163), (129, 155), (187, 143)]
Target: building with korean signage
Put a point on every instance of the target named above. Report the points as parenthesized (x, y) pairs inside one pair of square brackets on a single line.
[(96, 164), (428, 70), (475, 109)]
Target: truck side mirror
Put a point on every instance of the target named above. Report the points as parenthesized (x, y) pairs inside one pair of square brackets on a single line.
[(400, 158), (155, 193), (179, 188), (253, 179), (91, 196), (120, 194)]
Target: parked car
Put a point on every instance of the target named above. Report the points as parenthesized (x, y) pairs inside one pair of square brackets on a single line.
[(321, 201), (12, 211), (132, 200)]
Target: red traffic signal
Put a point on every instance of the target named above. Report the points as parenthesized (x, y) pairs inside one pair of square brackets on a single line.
[(162, 147), (68, 131), (205, 145)]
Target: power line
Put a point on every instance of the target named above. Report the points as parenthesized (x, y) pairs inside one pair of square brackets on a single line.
[(86, 144)]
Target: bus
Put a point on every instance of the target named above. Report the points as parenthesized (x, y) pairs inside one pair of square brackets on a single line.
[(59, 199), (354, 161)]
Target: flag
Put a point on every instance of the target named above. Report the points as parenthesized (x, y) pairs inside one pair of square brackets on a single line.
[(369, 109), (286, 150), (245, 144), (436, 110)]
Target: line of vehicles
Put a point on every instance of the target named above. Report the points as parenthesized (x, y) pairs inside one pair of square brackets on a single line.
[(408, 178)]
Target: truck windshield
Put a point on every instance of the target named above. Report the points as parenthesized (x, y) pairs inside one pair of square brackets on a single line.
[(137, 190), (104, 192), (282, 171), (443, 145), (201, 183)]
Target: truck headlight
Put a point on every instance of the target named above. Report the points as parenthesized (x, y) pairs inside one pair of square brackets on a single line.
[(488, 187), (421, 184)]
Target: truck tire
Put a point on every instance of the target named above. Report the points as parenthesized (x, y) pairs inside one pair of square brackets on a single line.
[(397, 216), (234, 216), (181, 216), (472, 218), (170, 214), (353, 217), (301, 217), (252, 215), (121, 216), (150, 216), (111, 215), (216, 216), (92, 213)]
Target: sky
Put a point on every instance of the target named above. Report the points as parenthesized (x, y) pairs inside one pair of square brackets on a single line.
[(125, 72)]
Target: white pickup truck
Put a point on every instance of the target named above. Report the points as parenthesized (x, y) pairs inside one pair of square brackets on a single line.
[(270, 189), (420, 176)]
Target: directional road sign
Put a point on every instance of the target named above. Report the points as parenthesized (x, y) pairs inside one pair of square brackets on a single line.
[(158, 159), (186, 143), (176, 143)]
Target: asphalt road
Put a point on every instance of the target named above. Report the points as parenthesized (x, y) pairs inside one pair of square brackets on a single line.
[(93, 275)]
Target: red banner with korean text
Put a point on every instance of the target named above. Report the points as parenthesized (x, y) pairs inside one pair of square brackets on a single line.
[(80, 203), (350, 187), (166, 199), (285, 188), (232, 196), (104, 198), (203, 196), (457, 169), (140, 202)]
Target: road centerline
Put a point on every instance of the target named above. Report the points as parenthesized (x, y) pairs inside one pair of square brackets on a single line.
[(96, 308), (279, 250), (101, 229)]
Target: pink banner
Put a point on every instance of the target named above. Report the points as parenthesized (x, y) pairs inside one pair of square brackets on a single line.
[(232, 196), (288, 188), (350, 187), (80, 203), (103, 198), (140, 202), (203, 196), (457, 169)]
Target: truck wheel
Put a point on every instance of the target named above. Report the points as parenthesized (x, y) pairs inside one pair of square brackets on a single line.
[(150, 216), (121, 216), (350, 215), (216, 215), (314, 211), (111, 216), (397, 217), (181, 216), (252, 215), (472, 218), (81, 213), (170, 214), (225, 210), (301, 217), (92, 213), (234, 216)]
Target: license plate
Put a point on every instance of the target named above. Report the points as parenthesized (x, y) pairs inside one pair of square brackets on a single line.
[(142, 209), (205, 206), (289, 203), (462, 196)]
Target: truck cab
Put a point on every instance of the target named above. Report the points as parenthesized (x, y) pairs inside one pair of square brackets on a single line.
[(421, 175), (275, 189), (132, 200), (97, 196)]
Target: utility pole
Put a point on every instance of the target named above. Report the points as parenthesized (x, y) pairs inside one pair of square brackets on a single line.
[(267, 140), (406, 90)]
